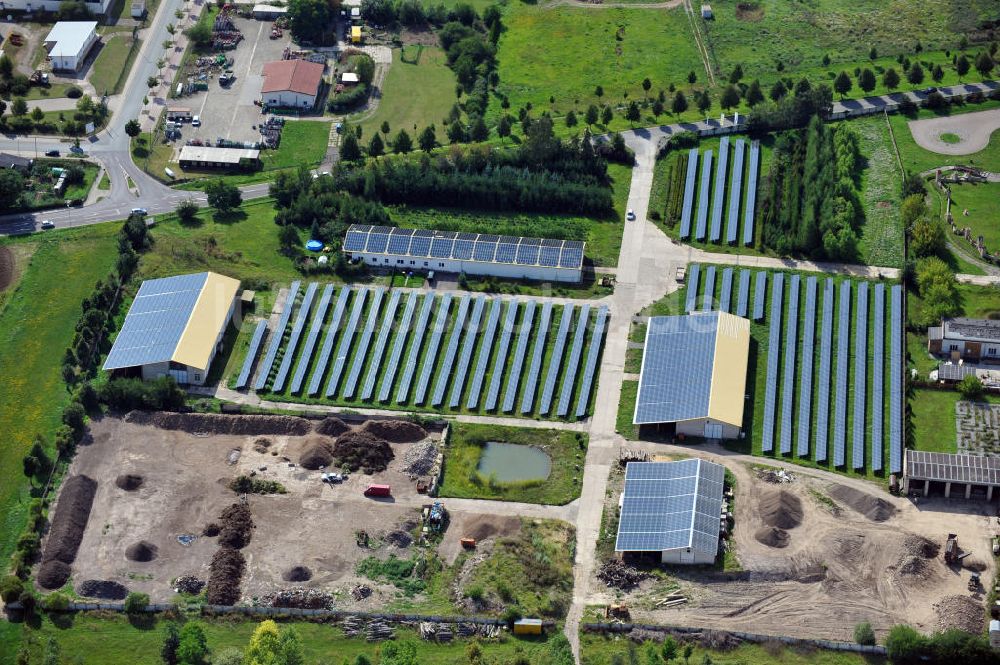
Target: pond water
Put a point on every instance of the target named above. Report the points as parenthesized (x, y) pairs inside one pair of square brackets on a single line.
[(509, 462)]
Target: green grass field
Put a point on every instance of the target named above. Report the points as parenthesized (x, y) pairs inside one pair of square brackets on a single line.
[(982, 201), (882, 233), (934, 419), (461, 479), (110, 69), (919, 160), (418, 91)]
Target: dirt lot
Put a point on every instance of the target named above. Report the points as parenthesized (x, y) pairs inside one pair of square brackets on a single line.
[(177, 484), (821, 554)]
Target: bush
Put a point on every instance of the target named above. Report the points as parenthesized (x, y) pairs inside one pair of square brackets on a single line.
[(248, 485), (28, 601), (971, 388), (349, 99), (11, 588), (129, 394), (863, 634), (55, 602), (136, 603)]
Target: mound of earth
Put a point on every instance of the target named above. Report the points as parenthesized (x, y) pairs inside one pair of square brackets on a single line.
[(188, 584), (261, 445), (914, 566), (332, 427), (399, 538), (216, 423), (6, 267), (71, 515), (317, 453), (973, 564), (236, 526), (960, 612), (874, 508), (226, 573), (772, 537), (53, 574), (781, 509), (211, 530), (915, 545), (129, 482), (141, 551), (104, 589), (396, 431), (488, 526), (362, 450), (297, 574)]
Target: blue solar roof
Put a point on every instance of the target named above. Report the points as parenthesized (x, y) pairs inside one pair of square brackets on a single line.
[(744, 296), (361, 353), (596, 341), (264, 372), (788, 371), (573, 362), (826, 353), (500, 362), (346, 340), (706, 181), (773, 355), (708, 297), (419, 330), (735, 189), (664, 395), (727, 290), (759, 286), (689, 187), (720, 190), (444, 375), (431, 355), (671, 505)]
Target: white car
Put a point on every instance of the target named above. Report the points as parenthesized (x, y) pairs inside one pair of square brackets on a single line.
[(48, 224), (139, 211), (630, 215), (196, 121)]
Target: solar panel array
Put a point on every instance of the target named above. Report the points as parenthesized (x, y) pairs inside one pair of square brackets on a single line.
[(751, 193), (258, 337), (331, 335), (554, 365), (860, 378), (573, 362), (692, 287), (362, 349), (689, 185), (759, 287), (340, 359), (596, 342), (528, 399), (735, 189), (398, 343), (493, 393), (467, 347), (806, 371), (431, 355), (293, 340), (788, 371), (706, 182), (727, 289), (826, 353), (878, 375), (403, 392), (264, 372), (896, 381), (840, 405), (771, 386), (708, 298), (444, 375), (744, 298), (378, 353), (484, 354), (517, 363), (314, 330), (715, 232)]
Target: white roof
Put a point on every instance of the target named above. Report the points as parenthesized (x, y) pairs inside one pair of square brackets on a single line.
[(270, 9), (196, 153), (349, 77), (70, 37)]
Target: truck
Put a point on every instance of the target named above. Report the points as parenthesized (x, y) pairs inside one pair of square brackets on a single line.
[(378, 490)]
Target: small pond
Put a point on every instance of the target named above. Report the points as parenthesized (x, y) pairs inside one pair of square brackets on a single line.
[(511, 463)]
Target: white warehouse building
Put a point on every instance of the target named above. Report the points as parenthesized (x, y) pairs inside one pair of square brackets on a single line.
[(69, 42), (97, 7), (511, 257)]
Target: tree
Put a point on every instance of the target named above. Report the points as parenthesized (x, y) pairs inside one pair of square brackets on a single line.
[(222, 195), (863, 634), (19, 107), (905, 646), (137, 602), (427, 139), (193, 647), (866, 80), (688, 650), (657, 108), (385, 127), (704, 102), (632, 112), (350, 149), (913, 184), (961, 66), (890, 79), (503, 126), (646, 85), (737, 74), (200, 33), (10, 588), (984, 64), (873, 53), (172, 639), (6, 67), (38, 452), (479, 132), (754, 94), (456, 132), (592, 115), (938, 290), (75, 418), (692, 77), (937, 73), (288, 237), (402, 144), (376, 147), (11, 188), (606, 116), (971, 388), (730, 97), (37, 114), (599, 92), (926, 238), (265, 645), (778, 91), (679, 104), (30, 465), (915, 74), (152, 82), (132, 128), (669, 649), (571, 119), (186, 211), (842, 84), (309, 18)]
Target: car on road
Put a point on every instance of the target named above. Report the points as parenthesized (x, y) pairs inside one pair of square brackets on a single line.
[(630, 215), (52, 153), (48, 224), (196, 121), (76, 150), (140, 211)]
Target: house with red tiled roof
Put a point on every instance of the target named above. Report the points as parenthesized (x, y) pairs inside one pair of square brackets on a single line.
[(292, 83)]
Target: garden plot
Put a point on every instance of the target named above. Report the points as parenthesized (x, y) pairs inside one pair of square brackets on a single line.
[(977, 425)]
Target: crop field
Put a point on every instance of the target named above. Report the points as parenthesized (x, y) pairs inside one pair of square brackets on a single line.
[(417, 351)]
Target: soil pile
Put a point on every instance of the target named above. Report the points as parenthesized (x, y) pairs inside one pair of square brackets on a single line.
[(236, 526), (129, 482), (53, 574), (72, 513), (261, 445), (618, 575), (307, 599), (399, 538), (772, 537), (189, 584), (961, 612), (297, 574), (915, 545), (332, 427), (781, 509), (396, 431), (141, 551), (226, 573), (419, 458), (317, 453), (6, 267), (874, 508), (914, 567), (362, 450), (211, 530), (974, 565), (105, 589), (215, 423)]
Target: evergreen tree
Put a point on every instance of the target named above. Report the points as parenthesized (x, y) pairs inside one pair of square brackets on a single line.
[(606, 116), (984, 64), (873, 53), (692, 77), (571, 119), (402, 144), (890, 79), (350, 151), (730, 97), (680, 103), (915, 74), (427, 139), (937, 73), (754, 94), (592, 115), (866, 80), (503, 126), (842, 84), (632, 112), (376, 147), (479, 132), (737, 74), (778, 91), (961, 66), (456, 132), (704, 102)]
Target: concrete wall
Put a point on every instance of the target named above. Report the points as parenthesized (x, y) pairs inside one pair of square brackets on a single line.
[(290, 99), (507, 270)]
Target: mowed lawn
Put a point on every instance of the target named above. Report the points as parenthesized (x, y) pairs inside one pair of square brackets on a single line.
[(418, 91), (882, 233), (982, 203), (112, 63), (303, 142), (934, 419), (917, 159), (36, 326)]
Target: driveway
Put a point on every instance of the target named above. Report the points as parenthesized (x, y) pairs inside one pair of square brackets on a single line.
[(972, 129)]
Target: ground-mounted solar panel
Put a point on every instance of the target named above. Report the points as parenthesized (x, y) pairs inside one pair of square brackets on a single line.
[(708, 297), (555, 363), (743, 301), (331, 334), (485, 349), (293, 340), (378, 351), (310, 346), (840, 403), (725, 298), (896, 381), (361, 353), (431, 356), (694, 272), (419, 331), (573, 362), (860, 378), (703, 202), (735, 193), (465, 358), (788, 371), (398, 344), (689, 185), (751, 193), (517, 362), (878, 375), (759, 295), (537, 355), (444, 376), (590, 366), (500, 363), (252, 352), (825, 355), (773, 354), (806, 371), (715, 229), (264, 372), (346, 341)]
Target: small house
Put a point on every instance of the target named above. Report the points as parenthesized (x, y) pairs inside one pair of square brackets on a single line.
[(349, 79), (9, 161), (69, 42), (965, 339), (138, 8)]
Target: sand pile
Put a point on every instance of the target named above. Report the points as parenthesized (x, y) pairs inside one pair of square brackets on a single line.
[(772, 537), (874, 508), (226, 573), (215, 423), (236, 526), (396, 431), (105, 589), (781, 509), (66, 532), (317, 453), (53, 574), (297, 574), (332, 427), (362, 450), (129, 482), (141, 551), (961, 612), (915, 545)]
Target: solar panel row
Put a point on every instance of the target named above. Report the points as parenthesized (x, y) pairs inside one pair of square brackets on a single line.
[(310, 345), (773, 343), (806, 372), (825, 354), (431, 355), (484, 354), (840, 405), (860, 378), (788, 371), (331, 334), (419, 330), (744, 297), (340, 359), (466, 357), (896, 381), (878, 375), (692, 288), (528, 399), (264, 372), (735, 191), (759, 286), (727, 289), (692, 174), (444, 375), (573, 362), (591, 364), (706, 181), (501, 360), (720, 189), (293, 340), (258, 337), (398, 343), (557, 353), (708, 297), (751, 193), (361, 353), (514, 376), (378, 353)]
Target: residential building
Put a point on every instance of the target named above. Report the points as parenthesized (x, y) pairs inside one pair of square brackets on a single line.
[(966, 339)]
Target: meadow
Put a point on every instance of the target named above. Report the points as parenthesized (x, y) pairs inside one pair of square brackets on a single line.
[(982, 203), (882, 234)]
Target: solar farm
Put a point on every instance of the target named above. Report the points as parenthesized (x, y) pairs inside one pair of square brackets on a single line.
[(417, 350), (829, 363)]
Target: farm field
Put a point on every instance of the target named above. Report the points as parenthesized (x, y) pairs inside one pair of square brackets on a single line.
[(416, 351)]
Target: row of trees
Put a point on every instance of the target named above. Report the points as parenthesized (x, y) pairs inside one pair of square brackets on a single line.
[(915, 73), (21, 121)]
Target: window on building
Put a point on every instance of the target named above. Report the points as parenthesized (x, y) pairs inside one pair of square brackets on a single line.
[(440, 265), (991, 351), (197, 377), (425, 264), (953, 347)]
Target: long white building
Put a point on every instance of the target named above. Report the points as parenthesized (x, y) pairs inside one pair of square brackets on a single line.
[(97, 7), (511, 257)]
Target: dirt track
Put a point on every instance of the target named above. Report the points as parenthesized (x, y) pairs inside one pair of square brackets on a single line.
[(7, 268), (974, 130)]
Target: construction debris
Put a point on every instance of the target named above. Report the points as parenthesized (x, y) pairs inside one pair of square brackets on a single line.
[(361, 591), (301, 598), (419, 459), (188, 584), (618, 575), (774, 476), (374, 631), (961, 612)]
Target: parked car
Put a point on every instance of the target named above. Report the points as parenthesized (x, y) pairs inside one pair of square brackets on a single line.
[(378, 490), (196, 121), (76, 150), (52, 153), (139, 211), (48, 224), (630, 215)]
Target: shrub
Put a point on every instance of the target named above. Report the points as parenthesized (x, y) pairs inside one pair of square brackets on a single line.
[(863, 634), (11, 588), (55, 602), (971, 388), (136, 602), (28, 601), (249, 485), (349, 99), (475, 592)]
